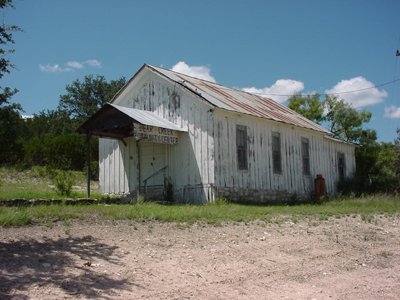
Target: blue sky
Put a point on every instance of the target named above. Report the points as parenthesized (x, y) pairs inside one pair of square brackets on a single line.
[(269, 47)]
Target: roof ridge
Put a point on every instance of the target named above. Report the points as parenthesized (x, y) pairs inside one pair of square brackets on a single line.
[(169, 70)]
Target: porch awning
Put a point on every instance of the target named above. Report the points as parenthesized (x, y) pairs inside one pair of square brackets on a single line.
[(118, 121)]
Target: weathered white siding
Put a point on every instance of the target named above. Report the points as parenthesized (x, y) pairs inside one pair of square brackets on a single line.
[(259, 178), (117, 166), (190, 163)]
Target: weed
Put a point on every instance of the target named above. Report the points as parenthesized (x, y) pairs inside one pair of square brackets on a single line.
[(66, 223), (367, 218), (182, 226), (386, 254), (220, 201), (140, 199), (323, 217), (39, 171), (67, 231), (49, 224)]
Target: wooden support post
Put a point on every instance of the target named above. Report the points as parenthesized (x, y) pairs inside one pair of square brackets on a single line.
[(88, 136), (138, 169)]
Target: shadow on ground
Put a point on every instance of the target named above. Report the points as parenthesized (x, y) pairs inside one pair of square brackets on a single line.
[(30, 263)]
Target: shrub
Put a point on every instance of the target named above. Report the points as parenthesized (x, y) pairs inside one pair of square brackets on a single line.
[(63, 182)]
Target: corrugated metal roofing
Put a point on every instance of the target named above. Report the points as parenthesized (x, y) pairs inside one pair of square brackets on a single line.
[(240, 101), (147, 118)]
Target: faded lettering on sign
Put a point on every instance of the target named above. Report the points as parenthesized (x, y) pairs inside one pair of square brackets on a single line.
[(155, 134)]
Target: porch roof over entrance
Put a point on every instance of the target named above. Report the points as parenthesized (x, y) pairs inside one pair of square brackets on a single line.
[(149, 118), (117, 121)]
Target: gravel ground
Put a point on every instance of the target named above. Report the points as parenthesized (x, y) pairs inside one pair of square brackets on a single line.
[(345, 258)]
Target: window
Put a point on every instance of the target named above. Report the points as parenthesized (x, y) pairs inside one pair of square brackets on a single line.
[(305, 154), (276, 153), (341, 166), (241, 144)]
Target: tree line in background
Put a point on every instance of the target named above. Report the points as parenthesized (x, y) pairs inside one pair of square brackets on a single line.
[(49, 137)]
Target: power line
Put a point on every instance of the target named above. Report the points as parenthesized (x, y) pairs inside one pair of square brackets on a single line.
[(368, 88), (338, 93)]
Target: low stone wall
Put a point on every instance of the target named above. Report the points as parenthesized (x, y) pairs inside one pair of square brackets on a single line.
[(70, 201)]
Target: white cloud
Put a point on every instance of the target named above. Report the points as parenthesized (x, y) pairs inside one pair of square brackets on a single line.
[(392, 112), (201, 72), (280, 91), (69, 66), (363, 94), (74, 64), (93, 63), (53, 68)]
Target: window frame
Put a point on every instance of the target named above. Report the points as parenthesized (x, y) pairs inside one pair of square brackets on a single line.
[(341, 166), (305, 156), (276, 153), (241, 148)]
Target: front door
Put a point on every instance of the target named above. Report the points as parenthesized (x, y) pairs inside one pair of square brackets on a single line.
[(152, 160)]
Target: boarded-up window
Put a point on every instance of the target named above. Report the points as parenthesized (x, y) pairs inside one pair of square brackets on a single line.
[(241, 144), (276, 153), (341, 166), (305, 154)]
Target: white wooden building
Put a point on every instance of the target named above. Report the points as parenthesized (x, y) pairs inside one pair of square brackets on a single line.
[(202, 141)]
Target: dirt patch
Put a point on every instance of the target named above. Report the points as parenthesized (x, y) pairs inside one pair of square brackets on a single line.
[(335, 259)]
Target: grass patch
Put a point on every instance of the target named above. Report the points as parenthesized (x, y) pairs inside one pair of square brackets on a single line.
[(366, 207), (36, 183), (13, 216)]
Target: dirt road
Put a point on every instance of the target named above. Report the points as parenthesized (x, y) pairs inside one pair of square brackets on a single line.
[(344, 258)]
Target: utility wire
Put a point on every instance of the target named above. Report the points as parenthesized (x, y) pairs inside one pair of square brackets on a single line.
[(338, 93)]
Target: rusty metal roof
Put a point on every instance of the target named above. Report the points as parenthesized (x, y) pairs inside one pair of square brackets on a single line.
[(240, 101)]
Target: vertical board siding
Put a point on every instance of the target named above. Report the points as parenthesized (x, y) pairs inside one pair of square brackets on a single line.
[(190, 162), (260, 176), (116, 168)]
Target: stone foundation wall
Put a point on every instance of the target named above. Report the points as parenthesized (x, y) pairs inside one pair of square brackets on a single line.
[(200, 194), (257, 196)]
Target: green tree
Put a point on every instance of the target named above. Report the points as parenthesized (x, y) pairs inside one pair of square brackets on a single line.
[(10, 118), (308, 106), (339, 117), (346, 123), (377, 168), (84, 98), (6, 39)]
